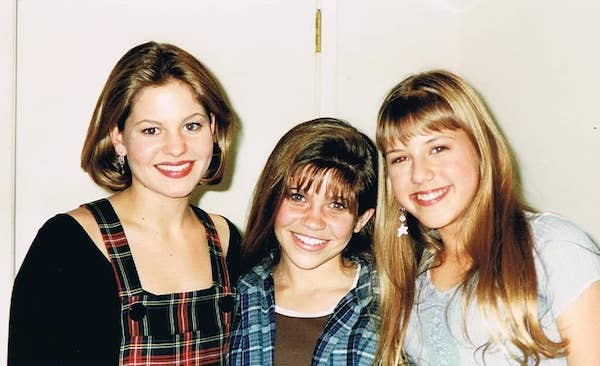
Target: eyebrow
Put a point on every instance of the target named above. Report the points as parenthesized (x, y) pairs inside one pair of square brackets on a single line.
[(428, 141), (392, 151), (199, 114)]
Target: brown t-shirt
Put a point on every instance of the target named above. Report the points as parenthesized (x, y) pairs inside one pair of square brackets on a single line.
[(296, 338)]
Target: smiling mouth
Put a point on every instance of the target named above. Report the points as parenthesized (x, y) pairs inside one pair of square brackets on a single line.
[(430, 197), (308, 240), (177, 170), (174, 168)]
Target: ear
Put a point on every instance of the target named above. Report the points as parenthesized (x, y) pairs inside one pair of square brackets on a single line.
[(213, 124), (363, 219), (116, 137)]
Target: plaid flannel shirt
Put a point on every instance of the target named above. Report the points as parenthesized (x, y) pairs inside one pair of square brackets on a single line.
[(349, 336)]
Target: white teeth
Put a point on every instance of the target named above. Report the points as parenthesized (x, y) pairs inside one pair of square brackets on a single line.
[(308, 240), (174, 168), (429, 196)]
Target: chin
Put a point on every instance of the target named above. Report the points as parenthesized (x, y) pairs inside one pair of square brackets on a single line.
[(307, 265), (434, 224), (178, 194)]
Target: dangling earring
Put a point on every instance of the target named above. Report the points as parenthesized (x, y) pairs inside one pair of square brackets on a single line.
[(121, 162), (403, 228)]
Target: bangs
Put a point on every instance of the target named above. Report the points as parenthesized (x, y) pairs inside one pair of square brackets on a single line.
[(417, 114), (340, 185)]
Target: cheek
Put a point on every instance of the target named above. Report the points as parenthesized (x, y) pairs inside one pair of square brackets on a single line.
[(398, 186), (138, 150), (202, 145), (468, 173), (343, 227), (284, 216)]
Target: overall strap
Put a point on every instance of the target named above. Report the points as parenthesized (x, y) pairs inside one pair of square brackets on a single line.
[(217, 259), (116, 244)]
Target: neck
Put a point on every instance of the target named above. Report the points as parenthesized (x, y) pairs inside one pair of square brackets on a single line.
[(331, 274), (148, 209), (454, 250)]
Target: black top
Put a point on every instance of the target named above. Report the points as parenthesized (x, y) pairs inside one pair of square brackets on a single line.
[(65, 306)]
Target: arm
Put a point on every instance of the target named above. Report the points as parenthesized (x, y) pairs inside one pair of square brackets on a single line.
[(570, 276), (579, 325), (64, 305), (31, 327)]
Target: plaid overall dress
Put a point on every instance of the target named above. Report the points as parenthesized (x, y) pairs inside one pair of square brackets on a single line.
[(190, 328)]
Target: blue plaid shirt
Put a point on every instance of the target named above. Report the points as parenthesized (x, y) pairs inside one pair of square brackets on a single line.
[(349, 336)]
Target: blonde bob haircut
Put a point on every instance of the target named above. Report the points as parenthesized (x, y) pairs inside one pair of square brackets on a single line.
[(146, 65), (496, 235)]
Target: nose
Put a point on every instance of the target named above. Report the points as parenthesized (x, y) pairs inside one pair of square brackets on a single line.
[(175, 144), (421, 171), (313, 218)]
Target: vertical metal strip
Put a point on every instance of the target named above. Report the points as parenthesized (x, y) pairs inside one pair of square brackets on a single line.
[(317, 60), (318, 31)]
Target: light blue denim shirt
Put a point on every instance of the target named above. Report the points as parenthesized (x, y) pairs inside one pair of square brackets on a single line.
[(567, 262)]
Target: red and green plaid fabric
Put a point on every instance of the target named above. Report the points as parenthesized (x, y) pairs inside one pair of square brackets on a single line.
[(190, 328)]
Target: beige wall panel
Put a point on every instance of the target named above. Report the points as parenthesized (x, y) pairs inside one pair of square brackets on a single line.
[(261, 51), (534, 61), (7, 121)]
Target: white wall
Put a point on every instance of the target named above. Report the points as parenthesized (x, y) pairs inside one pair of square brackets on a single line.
[(261, 51), (534, 61), (7, 101)]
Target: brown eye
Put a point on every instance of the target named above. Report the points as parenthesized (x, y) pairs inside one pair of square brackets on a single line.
[(438, 149), (397, 159), (297, 197), (150, 131), (338, 205), (192, 126)]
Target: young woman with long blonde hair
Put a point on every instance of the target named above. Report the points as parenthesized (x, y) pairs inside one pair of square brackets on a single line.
[(470, 275)]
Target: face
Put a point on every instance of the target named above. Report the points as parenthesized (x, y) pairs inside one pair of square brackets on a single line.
[(168, 140), (435, 177), (313, 229)]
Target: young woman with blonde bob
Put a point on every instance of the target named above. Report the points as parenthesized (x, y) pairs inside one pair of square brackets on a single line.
[(470, 275), (141, 277)]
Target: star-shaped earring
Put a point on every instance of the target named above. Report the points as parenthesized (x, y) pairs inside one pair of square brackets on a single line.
[(403, 228)]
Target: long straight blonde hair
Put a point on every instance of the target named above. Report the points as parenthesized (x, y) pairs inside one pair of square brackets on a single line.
[(496, 236)]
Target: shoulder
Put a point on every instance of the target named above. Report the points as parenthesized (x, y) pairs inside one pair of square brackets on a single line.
[(553, 232), (222, 226), (368, 275), (60, 222), (367, 266), (567, 260), (557, 239), (367, 287), (254, 280), (555, 236), (61, 239), (61, 228), (86, 220), (226, 230)]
